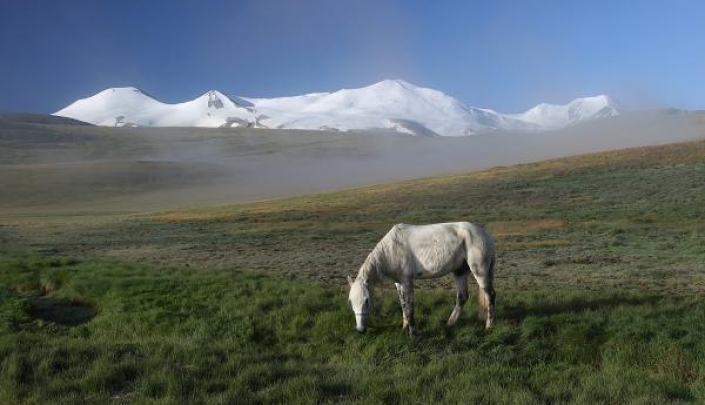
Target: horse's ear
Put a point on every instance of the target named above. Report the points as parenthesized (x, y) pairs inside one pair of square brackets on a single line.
[(350, 281)]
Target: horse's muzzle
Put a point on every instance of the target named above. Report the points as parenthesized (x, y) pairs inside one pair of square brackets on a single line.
[(361, 322)]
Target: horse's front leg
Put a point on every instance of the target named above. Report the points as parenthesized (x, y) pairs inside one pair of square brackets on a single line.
[(407, 306), (405, 322)]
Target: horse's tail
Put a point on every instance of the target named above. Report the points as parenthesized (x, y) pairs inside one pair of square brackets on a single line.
[(487, 260), (484, 299), (483, 306)]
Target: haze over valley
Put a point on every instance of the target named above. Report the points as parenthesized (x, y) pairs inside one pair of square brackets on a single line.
[(50, 165)]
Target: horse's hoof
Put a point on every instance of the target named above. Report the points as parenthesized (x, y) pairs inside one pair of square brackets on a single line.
[(412, 331)]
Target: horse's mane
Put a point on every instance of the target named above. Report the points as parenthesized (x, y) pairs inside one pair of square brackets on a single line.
[(380, 255)]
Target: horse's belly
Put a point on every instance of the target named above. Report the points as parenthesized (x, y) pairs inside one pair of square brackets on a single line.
[(434, 269), (436, 256)]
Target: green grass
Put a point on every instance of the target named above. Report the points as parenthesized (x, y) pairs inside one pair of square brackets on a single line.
[(599, 277), (162, 335)]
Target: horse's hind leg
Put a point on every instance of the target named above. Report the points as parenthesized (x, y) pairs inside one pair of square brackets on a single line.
[(400, 291), (486, 295), (461, 297)]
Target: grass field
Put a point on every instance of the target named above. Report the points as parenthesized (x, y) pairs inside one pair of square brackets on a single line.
[(599, 278)]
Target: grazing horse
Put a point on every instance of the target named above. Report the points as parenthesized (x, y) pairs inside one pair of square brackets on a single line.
[(407, 252)]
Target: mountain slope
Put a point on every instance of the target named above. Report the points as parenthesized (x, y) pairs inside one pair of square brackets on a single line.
[(393, 105)]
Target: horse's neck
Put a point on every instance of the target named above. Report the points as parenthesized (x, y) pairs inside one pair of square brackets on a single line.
[(376, 260), (368, 273)]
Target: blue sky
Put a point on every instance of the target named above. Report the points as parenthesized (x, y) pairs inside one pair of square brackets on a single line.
[(504, 55)]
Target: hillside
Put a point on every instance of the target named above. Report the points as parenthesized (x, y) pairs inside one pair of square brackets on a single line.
[(8, 119), (599, 279), (549, 218)]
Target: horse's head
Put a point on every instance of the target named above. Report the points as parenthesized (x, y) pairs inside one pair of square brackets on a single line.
[(359, 299)]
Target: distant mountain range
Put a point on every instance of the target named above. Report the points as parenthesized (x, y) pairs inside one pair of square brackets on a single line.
[(393, 105)]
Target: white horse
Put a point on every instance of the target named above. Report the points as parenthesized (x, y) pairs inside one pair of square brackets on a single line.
[(407, 252)]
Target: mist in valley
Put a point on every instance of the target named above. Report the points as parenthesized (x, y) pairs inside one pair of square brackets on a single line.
[(92, 169)]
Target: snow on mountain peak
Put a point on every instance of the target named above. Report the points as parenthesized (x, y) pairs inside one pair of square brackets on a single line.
[(382, 105), (122, 90), (393, 84), (216, 99), (111, 106), (554, 116), (120, 94), (395, 105), (130, 106)]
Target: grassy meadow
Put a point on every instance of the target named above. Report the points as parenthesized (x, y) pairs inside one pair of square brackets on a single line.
[(600, 274)]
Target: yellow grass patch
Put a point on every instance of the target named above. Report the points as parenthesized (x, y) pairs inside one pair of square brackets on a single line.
[(507, 228), (534, 244), (184, 216)]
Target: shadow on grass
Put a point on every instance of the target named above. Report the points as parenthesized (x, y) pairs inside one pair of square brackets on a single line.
[(574, 305), (61, 313)]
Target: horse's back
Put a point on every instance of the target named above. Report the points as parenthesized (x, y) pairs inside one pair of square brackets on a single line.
[(437, 249), (475, 239)]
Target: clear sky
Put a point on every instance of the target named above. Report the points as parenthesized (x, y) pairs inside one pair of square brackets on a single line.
[(504, 55)]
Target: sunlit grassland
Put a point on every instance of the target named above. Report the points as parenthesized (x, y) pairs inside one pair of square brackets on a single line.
[(599, 278)]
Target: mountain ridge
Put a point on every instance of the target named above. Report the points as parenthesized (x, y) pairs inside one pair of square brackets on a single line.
[(394, 105)]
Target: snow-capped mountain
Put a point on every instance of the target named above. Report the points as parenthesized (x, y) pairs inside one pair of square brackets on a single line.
[(390, 104), (553, 116), (129, 106)]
